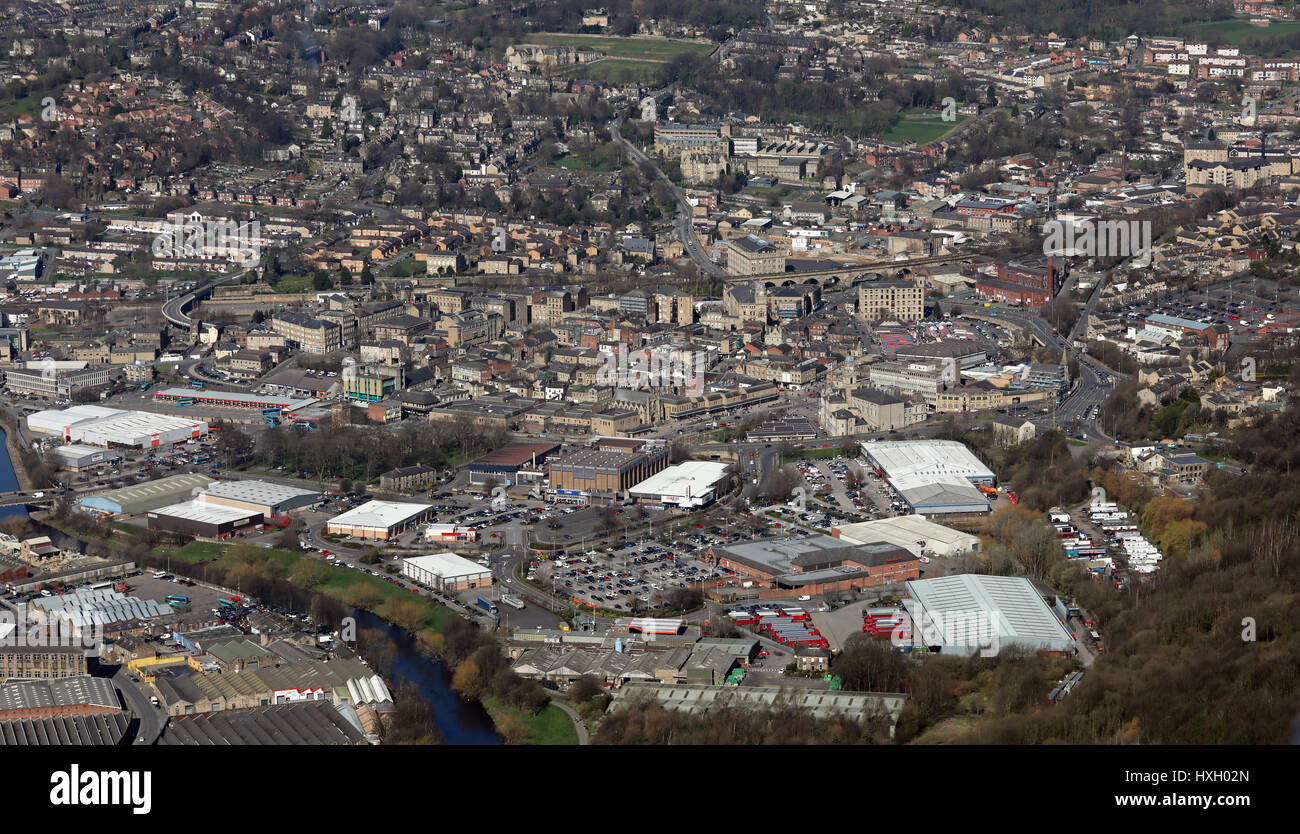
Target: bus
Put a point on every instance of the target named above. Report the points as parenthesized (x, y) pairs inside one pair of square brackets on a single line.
[(201, 458), (198, 384), (99, 586), (512, 601), (177, 598), (183, 401)]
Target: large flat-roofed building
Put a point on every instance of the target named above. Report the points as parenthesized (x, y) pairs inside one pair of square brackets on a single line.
[(751, 255), (783, 430), (933, 477), (943, 498), (76, 457), (512, 463), (896, 299), (237, 399), (104, 427), (379, 519), (267, 498), (688, 485), (971, 613), (447, 572), (605, 472), (57, 421), (200, 519), (910, 532), (149, 495), (817, 564), (59, 383)]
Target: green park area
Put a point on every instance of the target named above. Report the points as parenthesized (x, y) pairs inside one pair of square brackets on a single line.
[(549, 726), (617, 71), (922, 126), (1242, 33)]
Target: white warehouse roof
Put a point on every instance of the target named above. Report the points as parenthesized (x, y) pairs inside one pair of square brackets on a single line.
[(908, 531), (57, 421), (447, 565), (379, 514), (258, 492), (204, 513), (911, 463), (135, 428), (690, 482), (73, 452), (104, 426)]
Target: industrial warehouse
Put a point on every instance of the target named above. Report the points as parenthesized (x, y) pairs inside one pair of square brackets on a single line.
[(149, 495), (932, 477), (233, 399), (816, 564), (97, 426), (911, 532), (76, 457), (687, 485), (973, 613), (202, 519), (446, 572), (379, 519), (268, 499)]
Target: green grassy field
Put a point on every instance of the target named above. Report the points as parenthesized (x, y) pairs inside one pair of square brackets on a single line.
[(579, 162), (293, 283), (549, 726), (920, 125), (653, 49), (1241, 32), (24, 104), (616, 71)]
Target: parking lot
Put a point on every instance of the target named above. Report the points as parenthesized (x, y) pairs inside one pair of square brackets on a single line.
[(637, 575), (1240, 305), (146, 586)]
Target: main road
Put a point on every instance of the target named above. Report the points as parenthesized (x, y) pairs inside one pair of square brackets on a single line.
[(685, 230)]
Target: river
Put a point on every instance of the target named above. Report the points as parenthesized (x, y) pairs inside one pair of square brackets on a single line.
[(459, 721), (8, 479)]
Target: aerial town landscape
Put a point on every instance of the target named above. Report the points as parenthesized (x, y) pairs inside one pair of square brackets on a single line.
[(403, 372)]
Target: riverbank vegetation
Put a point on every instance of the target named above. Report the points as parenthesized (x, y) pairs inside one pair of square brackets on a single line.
[(328, 593)]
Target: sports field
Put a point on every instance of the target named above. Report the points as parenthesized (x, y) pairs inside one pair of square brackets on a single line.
[(924, 126)]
